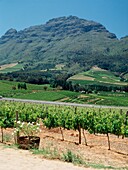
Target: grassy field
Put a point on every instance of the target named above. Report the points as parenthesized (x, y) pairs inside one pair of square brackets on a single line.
[(111, 99), (97, 76), (46, 95), (37, 92)]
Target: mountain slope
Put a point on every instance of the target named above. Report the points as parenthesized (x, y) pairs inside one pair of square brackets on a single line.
[(67, 40)]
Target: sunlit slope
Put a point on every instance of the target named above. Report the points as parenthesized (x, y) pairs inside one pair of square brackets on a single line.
[(97, 76)]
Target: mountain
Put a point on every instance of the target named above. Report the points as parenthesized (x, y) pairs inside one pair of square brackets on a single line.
[(76, 43)]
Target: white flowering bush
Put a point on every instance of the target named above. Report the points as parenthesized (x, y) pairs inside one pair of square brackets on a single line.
[(27, 129)]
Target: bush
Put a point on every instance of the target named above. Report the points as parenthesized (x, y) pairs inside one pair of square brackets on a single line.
[(71, 157)]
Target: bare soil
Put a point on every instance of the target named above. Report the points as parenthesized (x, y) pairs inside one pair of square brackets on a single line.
[(13, 159), (81, 77), (96, 152), (2, 67), (98, 68)]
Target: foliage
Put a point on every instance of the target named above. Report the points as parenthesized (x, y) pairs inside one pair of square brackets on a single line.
[(103, 121), (68, 156), (97, 79), (98, 75), (22, 86), (27, 129), (71, 157), (6, 119), (37, 92), (47, 152)]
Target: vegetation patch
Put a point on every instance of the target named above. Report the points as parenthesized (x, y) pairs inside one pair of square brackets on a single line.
[(98, 76), (45, 92), (63, 128)]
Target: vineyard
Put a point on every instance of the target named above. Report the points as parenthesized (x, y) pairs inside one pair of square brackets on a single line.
[(81, 119)]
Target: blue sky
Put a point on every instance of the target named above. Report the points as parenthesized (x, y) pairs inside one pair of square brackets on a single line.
[(20, 14)]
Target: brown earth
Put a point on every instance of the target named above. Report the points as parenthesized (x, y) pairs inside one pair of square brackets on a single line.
[(97, 150), (81, 77), (2, 67), (98, 68), (13, 159), (95, 153)]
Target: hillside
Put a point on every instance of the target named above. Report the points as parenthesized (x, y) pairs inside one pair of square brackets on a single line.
[(97, 75), (77, 43)]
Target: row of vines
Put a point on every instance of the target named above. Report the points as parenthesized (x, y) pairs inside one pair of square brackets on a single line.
[(97, 121)]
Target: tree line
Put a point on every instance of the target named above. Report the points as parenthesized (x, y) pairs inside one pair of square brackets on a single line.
[(57, 78)]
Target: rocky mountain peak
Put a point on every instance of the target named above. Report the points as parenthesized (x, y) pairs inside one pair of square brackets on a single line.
[(8, 35), (59, 40), (11, 31), (73, 25)]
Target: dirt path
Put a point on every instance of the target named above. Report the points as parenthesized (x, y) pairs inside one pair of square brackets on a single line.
[(13, 159)]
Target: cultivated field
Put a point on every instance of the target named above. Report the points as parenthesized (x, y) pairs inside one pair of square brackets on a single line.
[(98, 76), (96, 154), (37, 92), (60, 140)]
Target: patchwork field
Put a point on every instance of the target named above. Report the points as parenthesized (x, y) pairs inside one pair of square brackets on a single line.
[(98, 76), (38, 92)]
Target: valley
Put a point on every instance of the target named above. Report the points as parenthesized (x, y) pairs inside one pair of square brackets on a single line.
[(63, 85)]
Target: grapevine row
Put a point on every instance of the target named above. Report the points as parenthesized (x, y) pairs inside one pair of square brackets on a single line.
[(101, 121)]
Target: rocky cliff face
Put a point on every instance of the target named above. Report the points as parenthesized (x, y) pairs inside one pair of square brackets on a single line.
[(60, 27), (8, 35), (72, 26)]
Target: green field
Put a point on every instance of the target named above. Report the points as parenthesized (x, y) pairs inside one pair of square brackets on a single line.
[(111, 99), (96, 76), (37, 92), (46, 95)]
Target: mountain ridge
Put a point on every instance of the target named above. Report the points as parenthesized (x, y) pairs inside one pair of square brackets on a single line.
[(56, 23), (69, 40)]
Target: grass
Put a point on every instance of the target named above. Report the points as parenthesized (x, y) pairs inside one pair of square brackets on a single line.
[(111, 99), (51, 152), (14, 146), (47, 153), (7, 137), (102, 75), (37, 92), (45, 95), (68, 156), (99, 166), (96, 76)]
